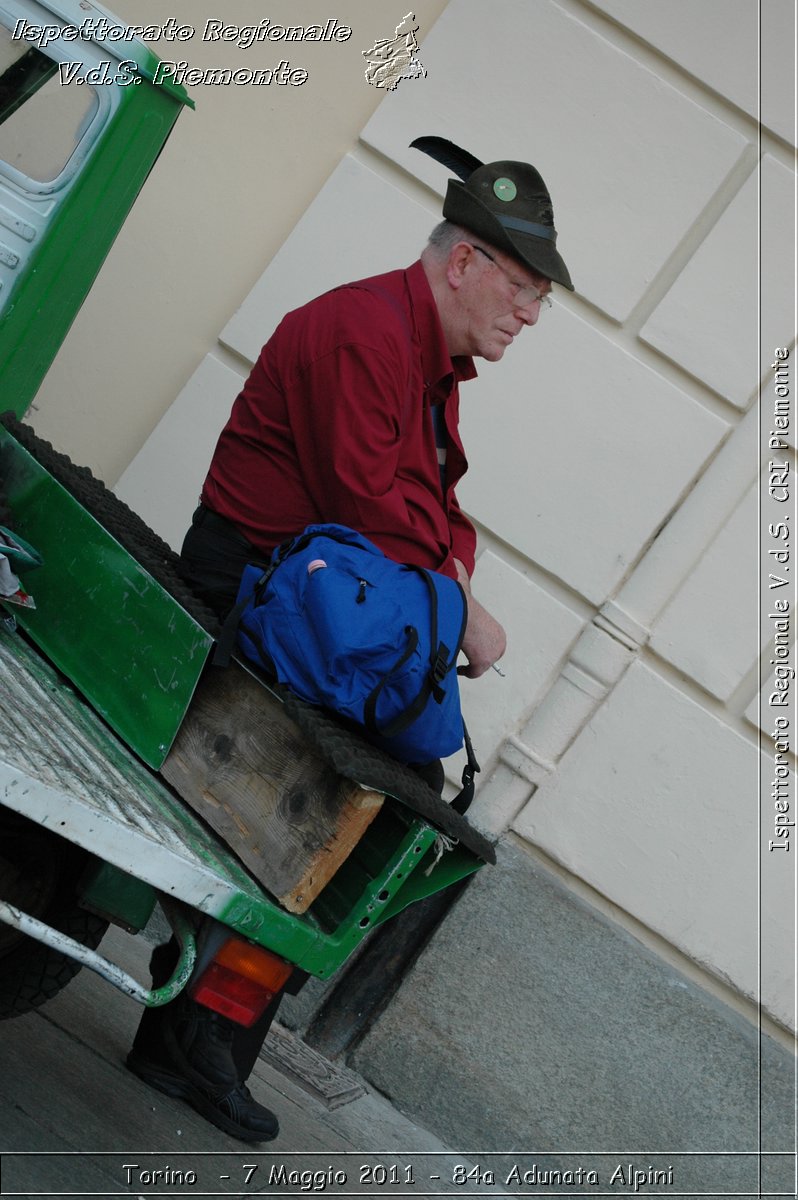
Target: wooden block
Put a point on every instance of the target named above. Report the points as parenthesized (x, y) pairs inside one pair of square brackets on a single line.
[(246, 769)]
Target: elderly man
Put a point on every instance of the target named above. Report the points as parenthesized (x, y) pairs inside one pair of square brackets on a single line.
[(350, 415)]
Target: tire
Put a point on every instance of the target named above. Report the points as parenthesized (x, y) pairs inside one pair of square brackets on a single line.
[(39, 873)]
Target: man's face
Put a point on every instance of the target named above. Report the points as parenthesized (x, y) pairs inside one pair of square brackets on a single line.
[(496, 298)]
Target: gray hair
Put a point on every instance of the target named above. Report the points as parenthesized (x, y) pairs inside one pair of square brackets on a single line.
[(446, 235)]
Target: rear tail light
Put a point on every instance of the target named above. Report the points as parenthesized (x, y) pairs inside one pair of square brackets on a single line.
[(240, 980)]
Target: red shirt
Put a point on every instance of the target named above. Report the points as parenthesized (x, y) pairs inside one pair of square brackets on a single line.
[(333, 425)]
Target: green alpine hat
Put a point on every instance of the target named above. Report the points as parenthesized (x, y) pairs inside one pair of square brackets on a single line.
[(507, 203)]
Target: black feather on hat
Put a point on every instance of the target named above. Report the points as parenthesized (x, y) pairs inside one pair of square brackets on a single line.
[(506, 202), (449, 155)]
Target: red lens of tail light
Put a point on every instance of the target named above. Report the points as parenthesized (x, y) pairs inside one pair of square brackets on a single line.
[(240, 981)]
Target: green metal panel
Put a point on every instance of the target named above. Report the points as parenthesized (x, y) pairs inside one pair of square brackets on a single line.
[(148, 63), (397, 862), (118, 896), (303, 941), (47, 297), (433, 875), (100, 617)]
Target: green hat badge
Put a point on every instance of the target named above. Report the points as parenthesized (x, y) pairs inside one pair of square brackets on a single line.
[(505, 189)]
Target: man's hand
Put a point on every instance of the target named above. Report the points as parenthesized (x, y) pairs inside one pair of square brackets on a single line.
[(485, 641)]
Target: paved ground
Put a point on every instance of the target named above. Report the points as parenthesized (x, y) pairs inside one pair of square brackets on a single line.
[(74, 1121)]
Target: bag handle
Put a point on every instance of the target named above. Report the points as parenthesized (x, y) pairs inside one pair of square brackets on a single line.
[(405, 719)]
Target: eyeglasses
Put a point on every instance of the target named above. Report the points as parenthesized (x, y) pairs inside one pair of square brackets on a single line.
[(523, 294)]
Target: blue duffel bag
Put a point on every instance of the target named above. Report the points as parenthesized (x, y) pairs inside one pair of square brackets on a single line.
[(350, 630)]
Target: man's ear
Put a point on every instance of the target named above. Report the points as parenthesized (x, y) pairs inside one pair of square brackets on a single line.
[(456, 264)]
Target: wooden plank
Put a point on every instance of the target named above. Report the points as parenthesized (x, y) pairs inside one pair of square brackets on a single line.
[(246, 768)]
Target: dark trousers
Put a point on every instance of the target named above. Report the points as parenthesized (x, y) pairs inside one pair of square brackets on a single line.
[(213, 558)]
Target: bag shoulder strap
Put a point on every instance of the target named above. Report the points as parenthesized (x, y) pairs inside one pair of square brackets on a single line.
[(225, 643), (462, 800)]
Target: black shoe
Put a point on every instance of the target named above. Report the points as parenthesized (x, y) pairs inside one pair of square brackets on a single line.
[(233, 1111), (199, 1046), (186, 1036)]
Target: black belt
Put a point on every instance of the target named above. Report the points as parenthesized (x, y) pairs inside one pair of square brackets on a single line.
[(211, 520)]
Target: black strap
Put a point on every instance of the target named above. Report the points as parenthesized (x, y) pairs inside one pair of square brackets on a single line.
[(462, 800), (405, 719), (438, 652), (226, 641), (441, 661)]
